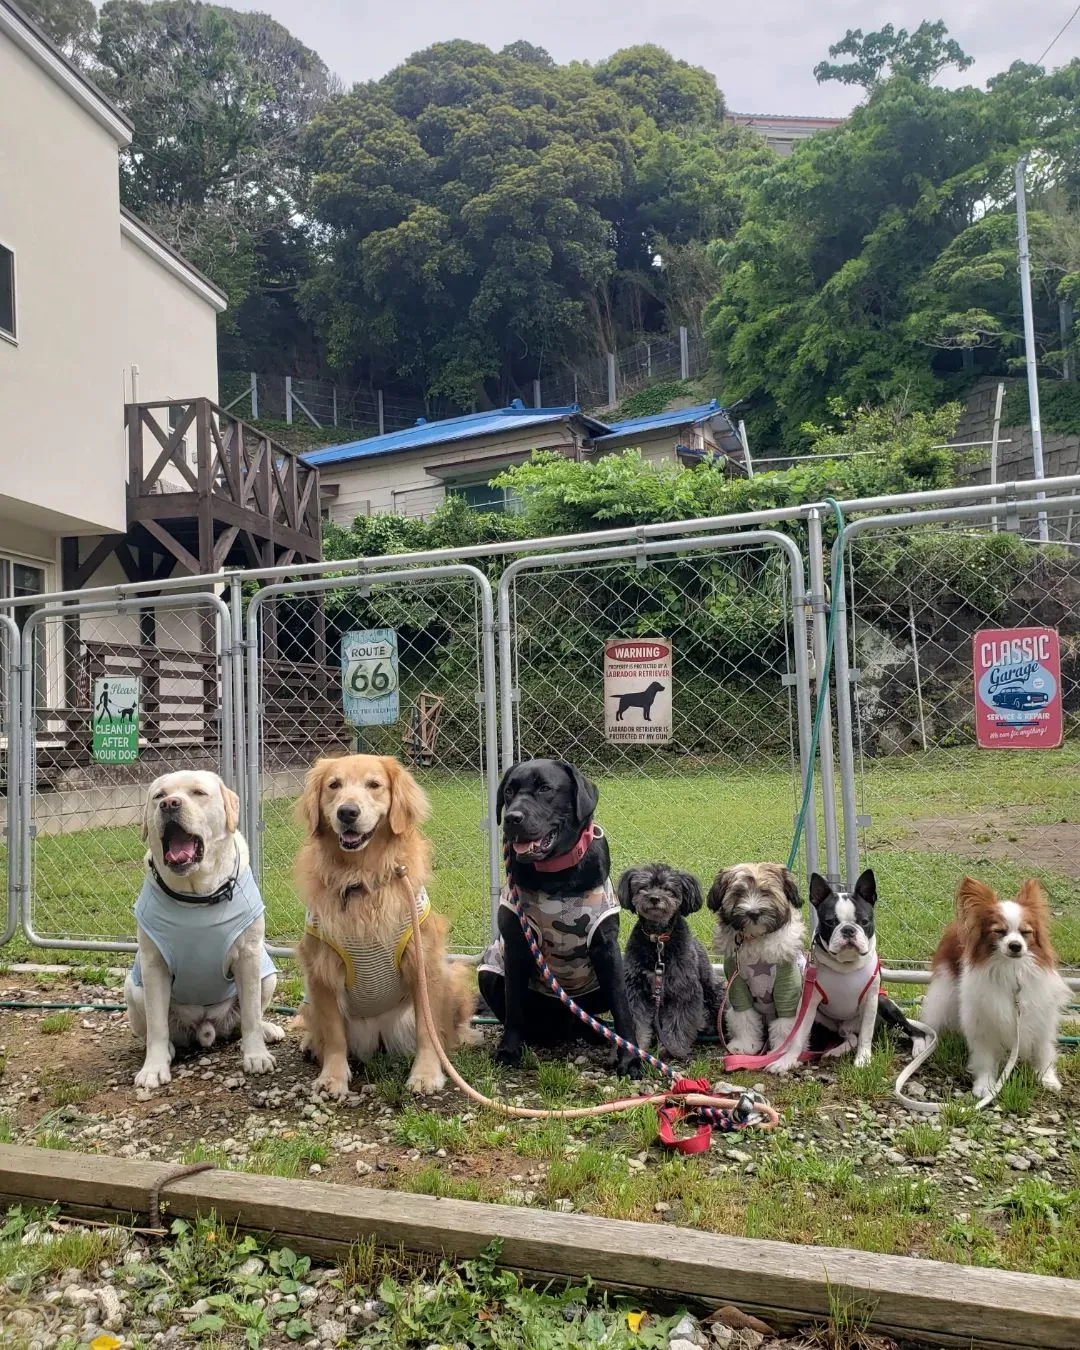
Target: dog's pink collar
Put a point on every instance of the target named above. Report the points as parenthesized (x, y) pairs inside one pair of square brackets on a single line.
[(563, 861)]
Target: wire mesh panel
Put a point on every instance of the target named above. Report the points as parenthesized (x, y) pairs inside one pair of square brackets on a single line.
[(117, 696), (427, 709), (720, 784), (935, 653)]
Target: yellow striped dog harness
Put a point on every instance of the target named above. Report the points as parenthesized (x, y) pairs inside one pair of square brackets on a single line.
[(373, 981)]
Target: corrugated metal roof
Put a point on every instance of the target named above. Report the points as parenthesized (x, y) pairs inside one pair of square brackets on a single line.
[(723, 428), (447, 430)]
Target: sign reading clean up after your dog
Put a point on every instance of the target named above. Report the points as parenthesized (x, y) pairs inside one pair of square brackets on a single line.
[(637, 690), (369, 677), (114, 719), (1018, 689)]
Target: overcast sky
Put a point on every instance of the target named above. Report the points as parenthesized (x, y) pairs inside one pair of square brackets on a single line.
[(763, 56)]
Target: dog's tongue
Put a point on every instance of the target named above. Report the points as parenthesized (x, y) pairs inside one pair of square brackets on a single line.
[(181, 851), (525, 846)]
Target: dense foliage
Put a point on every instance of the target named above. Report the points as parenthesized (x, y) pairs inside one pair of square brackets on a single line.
[(476, 219)]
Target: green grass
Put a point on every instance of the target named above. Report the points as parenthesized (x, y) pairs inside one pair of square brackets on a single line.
[(55, 1024), (1018, 1092), (922, 1140), (697, 818)]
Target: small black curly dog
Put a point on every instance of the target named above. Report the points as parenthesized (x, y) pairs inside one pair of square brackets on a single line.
[(673, 991)]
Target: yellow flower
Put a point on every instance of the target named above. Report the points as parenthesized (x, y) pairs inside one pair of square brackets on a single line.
[(634, 1321), (104, 1342)]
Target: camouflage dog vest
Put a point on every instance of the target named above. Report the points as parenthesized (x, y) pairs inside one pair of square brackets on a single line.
[(564, 926)]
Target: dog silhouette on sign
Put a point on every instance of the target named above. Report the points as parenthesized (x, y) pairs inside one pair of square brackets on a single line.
[(643, 699)]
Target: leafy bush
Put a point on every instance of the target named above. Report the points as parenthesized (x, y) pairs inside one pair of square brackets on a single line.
[(1059, 406), (653, 399)]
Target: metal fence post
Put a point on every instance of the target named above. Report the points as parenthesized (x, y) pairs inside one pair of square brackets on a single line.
[(254, 397), (288, 400), (612, 395), (820, 608), (379, 406), (684, 354), (10, 728), (843, 679)]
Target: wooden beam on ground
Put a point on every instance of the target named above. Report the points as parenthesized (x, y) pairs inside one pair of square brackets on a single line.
[(917, 1299)]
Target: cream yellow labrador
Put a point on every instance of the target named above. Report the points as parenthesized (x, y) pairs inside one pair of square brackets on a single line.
[(202, 967)]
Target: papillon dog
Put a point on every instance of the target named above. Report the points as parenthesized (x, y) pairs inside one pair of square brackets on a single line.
[(995, 980)]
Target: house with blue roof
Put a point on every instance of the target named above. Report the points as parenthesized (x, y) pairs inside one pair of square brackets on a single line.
[(412, 472)]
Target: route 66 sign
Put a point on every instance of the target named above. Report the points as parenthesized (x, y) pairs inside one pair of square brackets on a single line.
[(369, 677)]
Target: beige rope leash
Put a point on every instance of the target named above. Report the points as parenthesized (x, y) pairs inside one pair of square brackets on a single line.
[(690, 1099)]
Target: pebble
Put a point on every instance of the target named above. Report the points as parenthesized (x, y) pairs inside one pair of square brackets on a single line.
[(721, 1334), (564, 1206), (112, 1310), (686, 1331), (895, 1158), (331, 1332), (363, 1169), (1018, 1162)]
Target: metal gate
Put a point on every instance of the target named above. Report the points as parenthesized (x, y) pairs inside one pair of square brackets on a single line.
[(9, 721), (446, 732), (734, 609), (79, 820), (921, 803)]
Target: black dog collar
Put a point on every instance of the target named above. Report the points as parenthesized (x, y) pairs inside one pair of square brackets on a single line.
[(223, 894)]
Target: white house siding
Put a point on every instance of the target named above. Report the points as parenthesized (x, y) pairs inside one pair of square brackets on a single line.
[(383, 483), (61, 444)]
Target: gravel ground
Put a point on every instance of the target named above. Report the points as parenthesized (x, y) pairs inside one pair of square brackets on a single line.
[(849, 1167)]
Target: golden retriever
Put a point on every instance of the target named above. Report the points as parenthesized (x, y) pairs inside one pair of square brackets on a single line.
[(362, 866)]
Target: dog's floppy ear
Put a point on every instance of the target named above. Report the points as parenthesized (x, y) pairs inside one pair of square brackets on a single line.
[(791, 889), (625, 888), (147, 807), (500, 795), (866, 887), (232, 809), (408, 800), (308, 806), (820, 890), (719, 887), (972, 895), (689, 892), (585, 794)]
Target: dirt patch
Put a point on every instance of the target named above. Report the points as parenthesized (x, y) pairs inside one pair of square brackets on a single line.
[(995, 835)]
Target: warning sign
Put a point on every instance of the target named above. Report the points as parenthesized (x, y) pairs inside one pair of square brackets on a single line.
[(115, 719), (369, 677), (1018, 688), (637, 691)]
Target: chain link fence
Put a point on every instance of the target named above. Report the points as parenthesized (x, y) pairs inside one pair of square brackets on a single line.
[(714, 777), (437, 724), (930, 608), (114, 695)]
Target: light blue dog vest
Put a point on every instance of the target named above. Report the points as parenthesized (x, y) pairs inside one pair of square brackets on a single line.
[(194, 940)]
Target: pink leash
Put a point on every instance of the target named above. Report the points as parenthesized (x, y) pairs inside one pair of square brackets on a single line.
[(734, 1062)]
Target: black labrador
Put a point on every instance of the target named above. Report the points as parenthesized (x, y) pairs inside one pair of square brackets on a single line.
[(545, 807)]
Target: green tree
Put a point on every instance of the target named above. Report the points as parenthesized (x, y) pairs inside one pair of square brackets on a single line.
[(875, 260), (218, 99), (486, 212), (71, 24), (921, 55)]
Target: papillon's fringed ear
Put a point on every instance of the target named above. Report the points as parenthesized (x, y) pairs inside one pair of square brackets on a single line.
[(1033, 897), (972, 896), (866, 887), (626, 887), (690, 892), (791, 889), (718, 889)]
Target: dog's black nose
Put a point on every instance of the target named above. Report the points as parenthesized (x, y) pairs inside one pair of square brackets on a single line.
[(849, 930), (1015, 946), (513, 817), (348, 815)]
